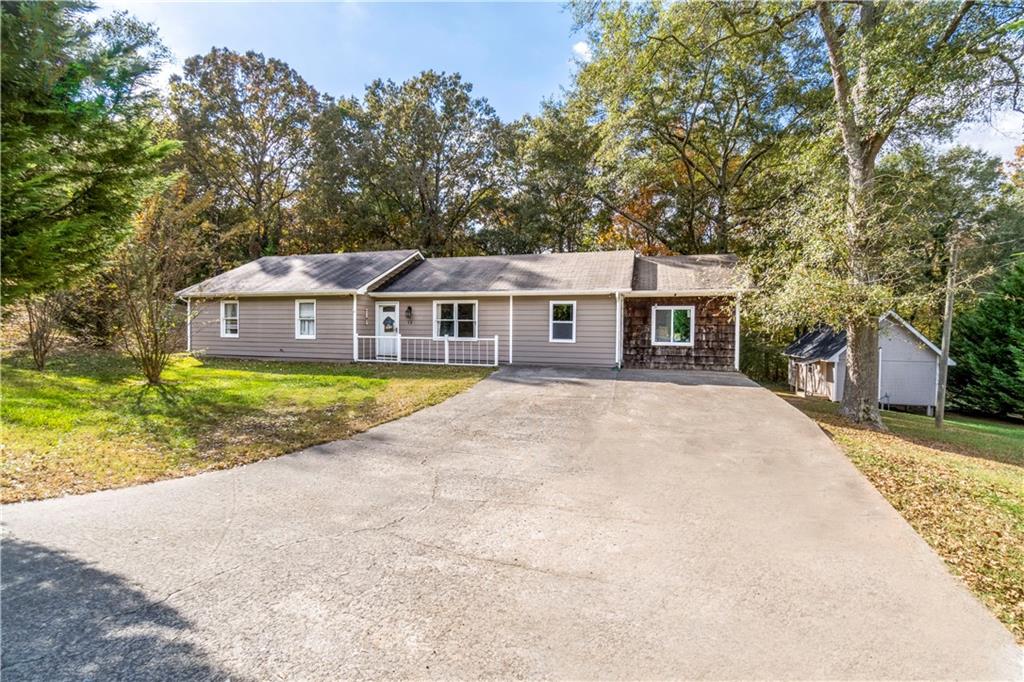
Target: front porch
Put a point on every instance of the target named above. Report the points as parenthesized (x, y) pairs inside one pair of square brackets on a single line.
[(426, 350)]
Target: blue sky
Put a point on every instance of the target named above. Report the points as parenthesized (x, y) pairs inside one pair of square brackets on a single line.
[(515, 54)]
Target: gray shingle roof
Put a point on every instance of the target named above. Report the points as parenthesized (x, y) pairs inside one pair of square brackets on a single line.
[(582, 271), (686, 273), (818, 344), (319, 273)]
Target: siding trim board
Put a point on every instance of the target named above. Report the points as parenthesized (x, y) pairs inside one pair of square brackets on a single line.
[(511, 325)]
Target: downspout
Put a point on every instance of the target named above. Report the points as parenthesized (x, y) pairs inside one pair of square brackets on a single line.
[(736, 362), (510, 329), (188, 325)]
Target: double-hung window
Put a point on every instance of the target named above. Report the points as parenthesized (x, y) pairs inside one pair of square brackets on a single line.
[(672, 325), (229, 319), (455, 319), (305, 319), (562, 322)]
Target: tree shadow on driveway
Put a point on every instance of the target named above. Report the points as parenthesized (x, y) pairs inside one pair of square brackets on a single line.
[(65, 619)]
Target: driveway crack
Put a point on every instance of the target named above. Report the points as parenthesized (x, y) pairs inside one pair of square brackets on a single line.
[(499, 562)]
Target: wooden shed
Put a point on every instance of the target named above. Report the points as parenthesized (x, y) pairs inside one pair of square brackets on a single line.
[(908, 364)]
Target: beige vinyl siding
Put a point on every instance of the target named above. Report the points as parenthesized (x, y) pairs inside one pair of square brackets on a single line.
[(364, 315), (908, 367), (266, 329), (595, 332)]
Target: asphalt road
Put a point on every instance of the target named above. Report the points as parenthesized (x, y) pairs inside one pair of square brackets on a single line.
[(543, 524)]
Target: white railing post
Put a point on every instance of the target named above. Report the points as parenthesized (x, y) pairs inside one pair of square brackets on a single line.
[(446, 350), (398, 352), (495, 350)]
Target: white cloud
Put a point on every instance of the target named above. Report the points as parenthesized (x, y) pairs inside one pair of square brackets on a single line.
[(1000, 136), (583, 51)]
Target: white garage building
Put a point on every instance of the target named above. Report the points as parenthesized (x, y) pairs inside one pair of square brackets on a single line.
[(908, 371)]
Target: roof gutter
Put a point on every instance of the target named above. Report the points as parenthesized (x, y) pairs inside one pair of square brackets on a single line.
[(501, 292), (650, 293), (186, 294)]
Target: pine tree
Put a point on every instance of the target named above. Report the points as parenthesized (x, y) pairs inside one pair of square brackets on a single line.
[(79, 151), (988, 347)]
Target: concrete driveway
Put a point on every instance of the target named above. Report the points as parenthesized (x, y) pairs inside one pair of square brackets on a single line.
[(543, 524)]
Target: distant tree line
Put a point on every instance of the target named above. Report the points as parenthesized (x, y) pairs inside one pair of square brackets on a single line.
[(800, 135)]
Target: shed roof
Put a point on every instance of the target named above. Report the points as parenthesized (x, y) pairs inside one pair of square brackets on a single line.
[(686, 274), (317, 273), (597, 271), (821, 343)]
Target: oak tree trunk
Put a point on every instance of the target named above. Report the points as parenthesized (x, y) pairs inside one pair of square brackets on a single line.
[(860, 393)]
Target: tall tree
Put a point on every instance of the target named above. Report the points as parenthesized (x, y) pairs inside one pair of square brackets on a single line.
[(327, 207), (79, 148), (901, 69), (899, 72), (423, 160), (691, 116), (937, 198), (244, 121), (549, 203)]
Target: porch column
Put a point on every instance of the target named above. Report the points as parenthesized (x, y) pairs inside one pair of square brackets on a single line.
[(509, 329), (618, 329), (355, 333)]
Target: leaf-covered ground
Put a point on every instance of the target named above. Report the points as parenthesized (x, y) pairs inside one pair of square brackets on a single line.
[(961, 488), (88, 422)]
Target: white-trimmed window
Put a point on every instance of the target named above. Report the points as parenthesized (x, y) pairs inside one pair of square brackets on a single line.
[(455, 319), (305, 318), (229, 319), (672, 325), (562, 322)]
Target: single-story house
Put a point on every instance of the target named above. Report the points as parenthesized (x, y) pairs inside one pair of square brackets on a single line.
[(600, 309), (908, 374)]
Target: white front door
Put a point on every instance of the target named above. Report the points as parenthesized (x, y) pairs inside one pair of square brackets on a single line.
[(387, 326)]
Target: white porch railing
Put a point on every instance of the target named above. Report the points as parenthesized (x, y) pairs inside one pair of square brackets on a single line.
[(425, 350)]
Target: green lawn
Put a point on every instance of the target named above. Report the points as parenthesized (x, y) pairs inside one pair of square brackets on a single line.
[(961, 488), (88, 422)]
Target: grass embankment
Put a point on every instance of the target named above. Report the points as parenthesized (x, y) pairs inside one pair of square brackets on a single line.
[(961, 488), (88, 422)]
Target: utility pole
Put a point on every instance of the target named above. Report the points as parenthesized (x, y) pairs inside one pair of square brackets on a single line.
[(947, 328)]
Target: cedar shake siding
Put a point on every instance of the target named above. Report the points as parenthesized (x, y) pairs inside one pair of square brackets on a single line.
[(266, 329), (595, 332), (713, 343)]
